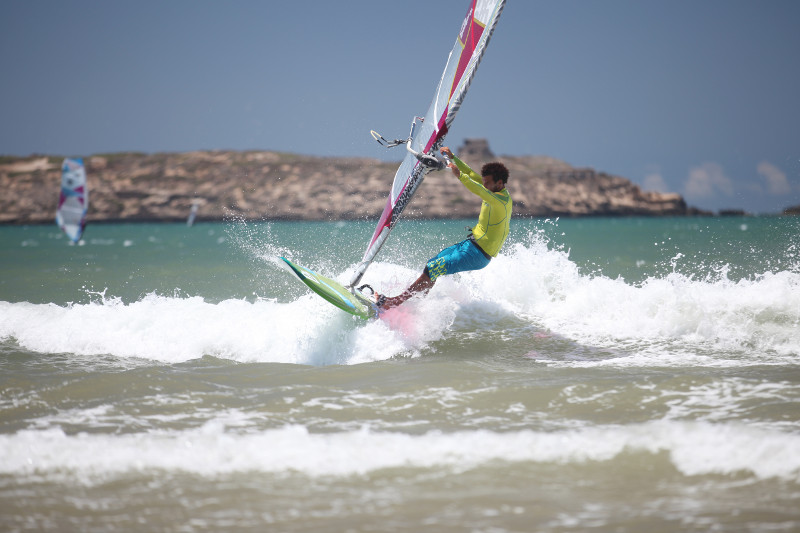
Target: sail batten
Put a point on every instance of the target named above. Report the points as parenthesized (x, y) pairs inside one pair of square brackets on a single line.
[(428, 136)]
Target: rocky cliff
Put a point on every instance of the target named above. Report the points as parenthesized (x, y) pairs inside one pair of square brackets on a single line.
[(270, 185)]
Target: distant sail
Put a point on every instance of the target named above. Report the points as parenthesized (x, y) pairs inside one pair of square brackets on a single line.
[(192, 214), (73, 202), (428, 134)]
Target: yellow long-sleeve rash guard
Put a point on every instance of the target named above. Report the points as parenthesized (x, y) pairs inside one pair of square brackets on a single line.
[(494, 220)]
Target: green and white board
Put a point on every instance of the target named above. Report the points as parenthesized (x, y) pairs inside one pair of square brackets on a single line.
[(354, 302)]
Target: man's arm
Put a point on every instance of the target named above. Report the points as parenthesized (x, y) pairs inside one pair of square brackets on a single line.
[(458, 167), (471, 180)]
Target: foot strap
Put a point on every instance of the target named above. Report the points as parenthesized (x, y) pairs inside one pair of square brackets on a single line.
[(366, 286)]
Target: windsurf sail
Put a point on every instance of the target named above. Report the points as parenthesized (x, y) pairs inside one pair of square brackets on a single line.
[(192, 214), (73, 202), (428, 132)]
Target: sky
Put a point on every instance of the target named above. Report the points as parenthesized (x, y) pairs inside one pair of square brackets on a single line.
[(698, 97)]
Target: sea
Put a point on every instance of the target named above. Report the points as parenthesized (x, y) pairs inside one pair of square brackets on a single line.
[(600, 374)]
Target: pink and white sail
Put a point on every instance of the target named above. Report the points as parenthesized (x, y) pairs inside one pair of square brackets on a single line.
[(429, 134), (73, 202)]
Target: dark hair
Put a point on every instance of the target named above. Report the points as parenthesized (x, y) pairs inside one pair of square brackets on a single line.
[(497, 170)]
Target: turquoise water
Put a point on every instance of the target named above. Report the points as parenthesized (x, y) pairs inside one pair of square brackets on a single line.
[(600, 374), (227, 260)]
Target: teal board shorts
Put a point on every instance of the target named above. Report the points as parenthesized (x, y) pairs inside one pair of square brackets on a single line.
[(457, 258)]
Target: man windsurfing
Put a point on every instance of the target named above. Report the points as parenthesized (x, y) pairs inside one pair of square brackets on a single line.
[(486, 239)]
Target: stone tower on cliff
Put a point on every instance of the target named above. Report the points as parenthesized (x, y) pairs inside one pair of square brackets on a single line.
[(475, 149)]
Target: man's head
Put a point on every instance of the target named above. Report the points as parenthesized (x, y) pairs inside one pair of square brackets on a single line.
[(495, 176)]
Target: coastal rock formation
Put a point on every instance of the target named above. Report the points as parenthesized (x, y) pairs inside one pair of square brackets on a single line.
[(543, 186), (263, 185)]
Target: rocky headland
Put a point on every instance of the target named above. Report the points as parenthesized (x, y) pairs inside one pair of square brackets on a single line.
[(263, 185)]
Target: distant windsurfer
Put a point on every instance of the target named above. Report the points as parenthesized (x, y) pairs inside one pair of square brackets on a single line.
[(486, 238)]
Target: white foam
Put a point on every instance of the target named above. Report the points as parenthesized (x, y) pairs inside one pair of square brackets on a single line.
[(217, 448), (671, 320), (172, 329), (755, 316)]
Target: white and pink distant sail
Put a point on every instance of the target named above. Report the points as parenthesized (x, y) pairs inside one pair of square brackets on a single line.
[(73, 202), (427, 136)]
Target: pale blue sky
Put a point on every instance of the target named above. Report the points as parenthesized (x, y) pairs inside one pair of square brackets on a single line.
[(699, 97)]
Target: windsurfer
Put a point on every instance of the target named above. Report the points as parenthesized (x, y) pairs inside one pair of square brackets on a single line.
[(486, 238)]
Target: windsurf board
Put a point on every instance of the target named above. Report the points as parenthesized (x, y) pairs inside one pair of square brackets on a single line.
[(352, 301)]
